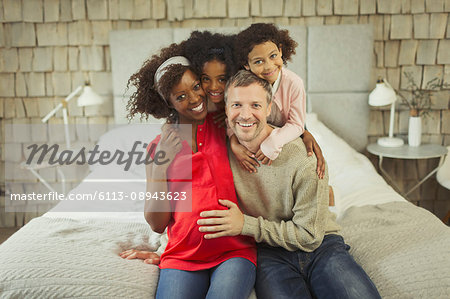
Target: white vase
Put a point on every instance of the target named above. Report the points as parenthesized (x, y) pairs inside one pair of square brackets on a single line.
[(415, 131)]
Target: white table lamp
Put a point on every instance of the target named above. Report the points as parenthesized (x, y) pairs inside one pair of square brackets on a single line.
[(383, 95), (87, 98)]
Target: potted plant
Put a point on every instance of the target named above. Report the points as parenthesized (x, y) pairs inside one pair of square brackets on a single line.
[(419, 102)]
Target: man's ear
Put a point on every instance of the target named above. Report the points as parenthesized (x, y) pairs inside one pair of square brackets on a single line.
[(269, 108), (246, 67)]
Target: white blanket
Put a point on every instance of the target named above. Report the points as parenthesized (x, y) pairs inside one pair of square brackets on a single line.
[(64, 257), (403, 248)]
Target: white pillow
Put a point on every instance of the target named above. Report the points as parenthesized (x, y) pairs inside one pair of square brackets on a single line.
[(123, 138)]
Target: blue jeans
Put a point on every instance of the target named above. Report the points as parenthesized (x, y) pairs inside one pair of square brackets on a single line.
[(328, 272), (233, 278)]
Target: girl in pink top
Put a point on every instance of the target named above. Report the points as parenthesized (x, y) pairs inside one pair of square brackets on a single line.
[(264, 49), (212, 56)]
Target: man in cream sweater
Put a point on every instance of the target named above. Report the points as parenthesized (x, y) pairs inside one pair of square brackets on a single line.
[(285, 208)]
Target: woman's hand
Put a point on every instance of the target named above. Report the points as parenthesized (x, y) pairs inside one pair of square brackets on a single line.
[(313, 146), (219, 119), (263, 158), (170, 142), (149, 257), (245, 157)]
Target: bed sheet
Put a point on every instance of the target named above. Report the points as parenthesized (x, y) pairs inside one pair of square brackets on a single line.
[(403, 248), (70, 257), (98, 181), (352, 176)]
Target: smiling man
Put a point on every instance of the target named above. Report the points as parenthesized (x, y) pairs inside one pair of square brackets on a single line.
[(247, 113), (285, 208)]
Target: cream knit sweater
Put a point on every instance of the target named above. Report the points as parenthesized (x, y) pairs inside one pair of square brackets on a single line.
[(285, 204)]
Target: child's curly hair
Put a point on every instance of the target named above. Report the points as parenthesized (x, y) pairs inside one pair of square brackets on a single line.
[(202, 47), (260, 33), (146, 100)]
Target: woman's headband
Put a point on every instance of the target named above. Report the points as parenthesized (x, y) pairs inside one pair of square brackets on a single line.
[(162, 69)]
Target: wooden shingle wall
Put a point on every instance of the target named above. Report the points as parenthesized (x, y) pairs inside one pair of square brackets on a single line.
[(49, 47)]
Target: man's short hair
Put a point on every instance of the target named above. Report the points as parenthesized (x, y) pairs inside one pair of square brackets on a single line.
[(245, 78)]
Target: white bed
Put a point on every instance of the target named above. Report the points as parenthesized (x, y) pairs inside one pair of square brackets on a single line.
[(403, 248)]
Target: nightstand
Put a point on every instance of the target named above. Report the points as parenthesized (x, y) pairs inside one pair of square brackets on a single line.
[(424, 151)]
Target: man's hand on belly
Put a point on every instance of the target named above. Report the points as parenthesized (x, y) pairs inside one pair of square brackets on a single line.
[(222, 223)]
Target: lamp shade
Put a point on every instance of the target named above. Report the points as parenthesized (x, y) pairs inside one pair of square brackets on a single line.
[(382, 95), (89, 97)]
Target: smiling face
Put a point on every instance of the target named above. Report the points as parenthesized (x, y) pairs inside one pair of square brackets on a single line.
[(265, 61), (213, 80), (188, 99), (247, 110)]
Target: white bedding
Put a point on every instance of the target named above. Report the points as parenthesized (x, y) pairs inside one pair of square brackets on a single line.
[(73, 254), (352, 175), (60, 257), (403, 248)]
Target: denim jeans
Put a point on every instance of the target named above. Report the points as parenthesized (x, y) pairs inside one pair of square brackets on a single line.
[(233, 278), (328, 272)]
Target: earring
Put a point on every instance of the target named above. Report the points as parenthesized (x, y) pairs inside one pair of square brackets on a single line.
[(173, 115)]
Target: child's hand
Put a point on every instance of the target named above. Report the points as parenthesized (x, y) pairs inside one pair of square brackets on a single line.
[(313, 146), (261, 157), (245, 157), (219, 119), (149, 257)]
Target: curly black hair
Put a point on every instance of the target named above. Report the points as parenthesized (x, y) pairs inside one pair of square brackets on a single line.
[(260, 33), (202, 47), (146, 100)]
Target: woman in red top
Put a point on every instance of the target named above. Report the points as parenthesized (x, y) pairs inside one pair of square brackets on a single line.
[(191, 266)]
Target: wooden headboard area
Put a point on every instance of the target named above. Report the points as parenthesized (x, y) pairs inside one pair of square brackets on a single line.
[(334, 62)]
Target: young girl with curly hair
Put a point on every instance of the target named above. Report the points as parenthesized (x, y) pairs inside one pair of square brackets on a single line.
[(212, 56), (191, 266), (264, 49)]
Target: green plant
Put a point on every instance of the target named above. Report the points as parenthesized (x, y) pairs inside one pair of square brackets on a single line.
[(419, 100)]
